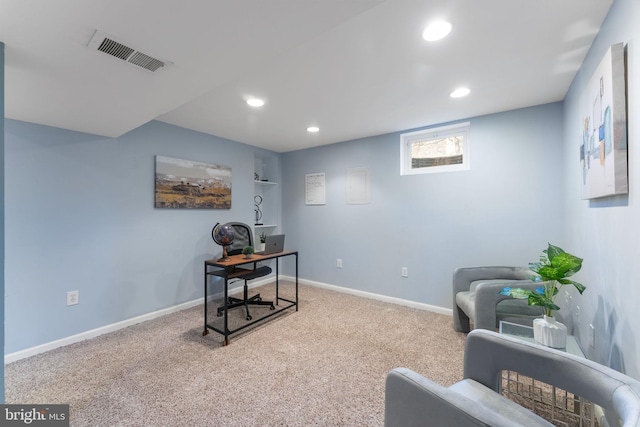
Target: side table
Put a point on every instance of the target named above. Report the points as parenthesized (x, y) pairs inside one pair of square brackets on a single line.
[(525, 333)]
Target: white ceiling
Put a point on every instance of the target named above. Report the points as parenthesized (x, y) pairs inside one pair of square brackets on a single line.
[(354, 68)]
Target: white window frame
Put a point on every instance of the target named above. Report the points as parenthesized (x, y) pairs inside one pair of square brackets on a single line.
[(406, 139)]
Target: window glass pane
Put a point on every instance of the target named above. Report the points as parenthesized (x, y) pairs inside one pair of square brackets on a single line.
[(437, 152)]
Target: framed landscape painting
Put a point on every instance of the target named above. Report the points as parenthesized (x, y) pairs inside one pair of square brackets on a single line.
[(188, 184), (603, 150)]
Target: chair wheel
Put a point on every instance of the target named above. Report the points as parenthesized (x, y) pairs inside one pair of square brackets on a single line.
[(259, 299), (272, 307), (249, 317), (219, 314)]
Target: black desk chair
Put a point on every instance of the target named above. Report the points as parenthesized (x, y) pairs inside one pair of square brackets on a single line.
[(244, 237)]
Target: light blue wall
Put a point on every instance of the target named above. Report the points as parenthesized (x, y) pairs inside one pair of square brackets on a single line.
[(498, 213), (608, 231), (80, 216)]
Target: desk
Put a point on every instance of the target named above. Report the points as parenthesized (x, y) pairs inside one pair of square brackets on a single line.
[(224, 269)]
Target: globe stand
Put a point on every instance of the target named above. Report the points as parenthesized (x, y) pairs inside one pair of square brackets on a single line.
[(225, 257)]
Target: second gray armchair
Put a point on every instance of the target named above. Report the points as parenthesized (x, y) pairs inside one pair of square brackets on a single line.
[(477, 299)]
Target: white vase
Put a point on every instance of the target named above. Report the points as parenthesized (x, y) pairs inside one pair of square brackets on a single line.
[(548, 331)]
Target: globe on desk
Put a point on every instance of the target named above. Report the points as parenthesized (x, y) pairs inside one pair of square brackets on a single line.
[(223, 234)]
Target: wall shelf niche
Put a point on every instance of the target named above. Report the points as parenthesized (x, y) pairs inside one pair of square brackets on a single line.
[(266, 174)]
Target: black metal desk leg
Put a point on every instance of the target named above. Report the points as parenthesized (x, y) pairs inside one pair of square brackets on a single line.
[(226, 311), (206, 330), (277, 275), (296, 281)]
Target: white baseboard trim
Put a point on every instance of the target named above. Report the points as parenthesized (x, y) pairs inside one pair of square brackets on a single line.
[(12, 357), (22, 354), (370, 295)]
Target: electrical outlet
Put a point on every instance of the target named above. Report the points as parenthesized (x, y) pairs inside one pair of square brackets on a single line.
[(339, 263), (405, 272), (73, 297)]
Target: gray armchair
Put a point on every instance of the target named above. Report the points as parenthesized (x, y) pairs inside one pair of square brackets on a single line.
[(413, 400), (476, 297)]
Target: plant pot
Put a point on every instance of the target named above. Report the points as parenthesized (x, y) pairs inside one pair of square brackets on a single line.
[(248, 256), (548, 331), (260, 247)]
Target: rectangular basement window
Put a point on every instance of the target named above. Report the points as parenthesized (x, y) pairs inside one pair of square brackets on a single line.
[(442, 149)]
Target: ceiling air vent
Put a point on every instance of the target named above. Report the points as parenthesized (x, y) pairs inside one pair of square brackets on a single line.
[(106, 44)]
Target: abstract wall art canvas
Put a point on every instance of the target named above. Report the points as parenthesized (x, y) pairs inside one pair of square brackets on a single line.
[(603, 150), (188, 184)]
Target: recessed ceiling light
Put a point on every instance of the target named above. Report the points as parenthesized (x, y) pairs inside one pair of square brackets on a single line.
[(313, 129), (460, 92), (436, 31), (255, 102)]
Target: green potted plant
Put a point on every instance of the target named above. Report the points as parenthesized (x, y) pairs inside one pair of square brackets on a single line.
[(248, 251), (552, 271), (263, 240)]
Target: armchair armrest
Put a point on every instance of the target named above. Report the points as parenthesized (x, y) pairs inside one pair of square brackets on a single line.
[(463, 277), (489, 293), (488, 296), (413, 400)]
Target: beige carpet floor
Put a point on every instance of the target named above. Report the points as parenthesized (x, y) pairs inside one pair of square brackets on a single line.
[(324, 365)]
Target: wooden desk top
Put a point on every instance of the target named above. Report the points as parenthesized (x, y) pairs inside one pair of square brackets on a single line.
[(241, 259)]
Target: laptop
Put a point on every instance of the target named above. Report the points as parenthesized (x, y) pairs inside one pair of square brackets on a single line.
[(273, 244)]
